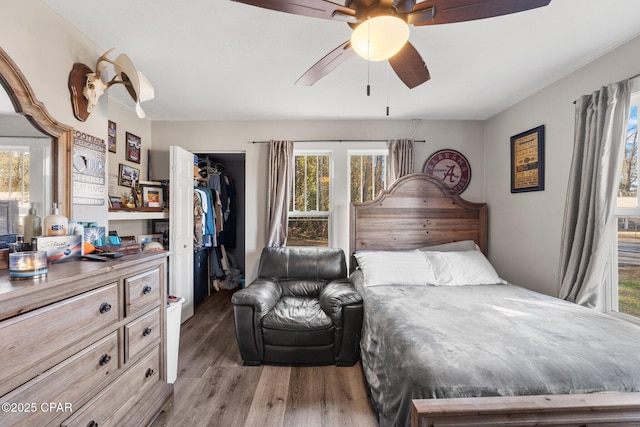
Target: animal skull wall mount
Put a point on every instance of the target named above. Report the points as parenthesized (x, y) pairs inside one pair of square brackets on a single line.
[(86, 86)]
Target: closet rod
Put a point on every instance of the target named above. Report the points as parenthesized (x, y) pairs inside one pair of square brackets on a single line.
[(338, 140)]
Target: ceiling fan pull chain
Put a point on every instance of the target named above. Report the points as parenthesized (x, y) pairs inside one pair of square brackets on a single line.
[(368, 60), (387, 89)]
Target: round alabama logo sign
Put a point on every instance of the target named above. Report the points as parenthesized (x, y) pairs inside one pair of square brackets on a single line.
[(451, 167)]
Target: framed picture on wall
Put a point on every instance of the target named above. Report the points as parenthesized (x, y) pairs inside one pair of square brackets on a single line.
[(134, 146), (111, 138), (527, 161), (128, 176)]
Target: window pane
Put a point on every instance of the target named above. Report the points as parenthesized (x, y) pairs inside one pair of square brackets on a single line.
[(308, 231), (368, 176), (323, 183), (355, 164), (628, 188), (629, 266), (14, 176), (311, 184), (311, 188), (379, 175)]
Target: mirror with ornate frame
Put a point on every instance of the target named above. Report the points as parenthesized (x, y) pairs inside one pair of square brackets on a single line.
[(26, 104)]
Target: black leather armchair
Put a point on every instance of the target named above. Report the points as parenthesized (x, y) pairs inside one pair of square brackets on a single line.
[(300, 310)]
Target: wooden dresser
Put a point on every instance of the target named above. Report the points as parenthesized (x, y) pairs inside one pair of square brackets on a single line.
[(85, 345)]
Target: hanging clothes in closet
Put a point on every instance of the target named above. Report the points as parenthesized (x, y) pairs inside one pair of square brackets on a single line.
[(214, 223)]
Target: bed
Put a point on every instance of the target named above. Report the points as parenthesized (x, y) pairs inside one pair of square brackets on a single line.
[(458, 330)]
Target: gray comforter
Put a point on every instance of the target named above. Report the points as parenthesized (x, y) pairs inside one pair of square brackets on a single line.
[(487, 340)]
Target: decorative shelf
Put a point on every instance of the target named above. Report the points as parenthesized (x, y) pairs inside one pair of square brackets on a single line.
[(136, 214)]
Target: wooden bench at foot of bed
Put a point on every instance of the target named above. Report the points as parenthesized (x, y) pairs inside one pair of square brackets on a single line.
[(597, 409)]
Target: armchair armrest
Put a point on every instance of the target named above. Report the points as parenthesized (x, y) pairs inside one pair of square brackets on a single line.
[(262, 294), (336, 295)]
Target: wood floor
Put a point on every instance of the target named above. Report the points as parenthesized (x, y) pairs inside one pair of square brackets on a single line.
[(214, 389)]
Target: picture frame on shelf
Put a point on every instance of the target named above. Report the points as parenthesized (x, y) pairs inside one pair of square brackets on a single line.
[(161, 226), (115, 202), (146, 238), (134, 147), (111, 138), (128, 176), (152, 196), (527, 161)]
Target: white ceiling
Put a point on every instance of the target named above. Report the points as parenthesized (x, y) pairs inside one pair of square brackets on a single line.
[(221, 60)]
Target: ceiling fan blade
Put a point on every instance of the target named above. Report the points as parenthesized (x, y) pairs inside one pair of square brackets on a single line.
[(327, 64), (314, 8), (409, 66), (448, 11)]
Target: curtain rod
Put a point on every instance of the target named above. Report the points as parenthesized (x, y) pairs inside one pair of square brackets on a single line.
[(630, 78), (336, 140)]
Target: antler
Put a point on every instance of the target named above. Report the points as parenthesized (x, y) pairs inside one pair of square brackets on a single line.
[(99, 69)]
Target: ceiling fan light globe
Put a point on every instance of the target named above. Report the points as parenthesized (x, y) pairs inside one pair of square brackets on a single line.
[(380, 37)]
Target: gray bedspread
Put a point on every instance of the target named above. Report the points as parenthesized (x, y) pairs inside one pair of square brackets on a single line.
[(487, 340)]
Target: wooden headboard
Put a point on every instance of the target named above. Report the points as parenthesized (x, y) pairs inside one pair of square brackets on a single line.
[(417, 210)]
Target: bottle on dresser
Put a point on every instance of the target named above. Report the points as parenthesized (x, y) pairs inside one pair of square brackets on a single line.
[(55, 224)]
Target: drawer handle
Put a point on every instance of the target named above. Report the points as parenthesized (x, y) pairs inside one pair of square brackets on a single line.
[(149, 373), (147, 289), (105, 307), (147, 331), (92, 424), (105, 359)]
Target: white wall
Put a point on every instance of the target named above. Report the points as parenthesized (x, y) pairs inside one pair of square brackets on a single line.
[(127, 121), (45, 47), (464, 136), (525, 228)]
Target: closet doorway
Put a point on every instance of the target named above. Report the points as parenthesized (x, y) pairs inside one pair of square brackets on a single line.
[(215, 266)]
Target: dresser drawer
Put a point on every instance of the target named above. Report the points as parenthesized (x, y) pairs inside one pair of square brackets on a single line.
[(37, 337), (141, 334), (66, 384), (112, 405), (142, 292)]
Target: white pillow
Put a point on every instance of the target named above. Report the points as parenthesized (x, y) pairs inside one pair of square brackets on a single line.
[(462, 268), (395, 268)]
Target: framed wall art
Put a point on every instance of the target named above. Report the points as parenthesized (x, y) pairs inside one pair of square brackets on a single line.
[(134, 146), (451, 167), (111, 138), (128, 176), (527, 161)]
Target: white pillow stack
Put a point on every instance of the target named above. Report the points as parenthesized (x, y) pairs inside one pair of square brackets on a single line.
[(462, 268), (395, 268), (422, 267)]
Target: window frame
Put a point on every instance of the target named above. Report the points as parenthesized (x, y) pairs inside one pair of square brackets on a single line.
[(323, 214)]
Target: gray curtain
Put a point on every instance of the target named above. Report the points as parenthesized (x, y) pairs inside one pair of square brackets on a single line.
[(400, 159), (279, 189), (589, 221)]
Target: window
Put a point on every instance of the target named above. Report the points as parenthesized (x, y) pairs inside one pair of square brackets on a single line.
[(367, 175), (625, 294), (14, 175), (310, 202)]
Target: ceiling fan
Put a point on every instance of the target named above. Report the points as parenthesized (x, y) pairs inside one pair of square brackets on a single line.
[(372, 18)]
